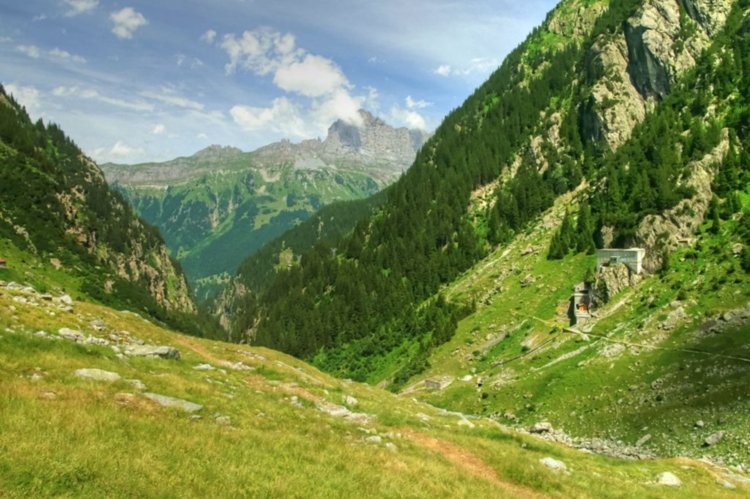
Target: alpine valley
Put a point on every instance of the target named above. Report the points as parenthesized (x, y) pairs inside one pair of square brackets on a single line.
[(221, 205), (547, 297)]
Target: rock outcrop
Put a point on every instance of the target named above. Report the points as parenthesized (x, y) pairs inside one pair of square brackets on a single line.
[(636, 67), (671, 228), (610, 281)]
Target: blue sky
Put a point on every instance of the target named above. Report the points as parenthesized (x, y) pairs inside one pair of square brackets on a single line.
[(152, 80)]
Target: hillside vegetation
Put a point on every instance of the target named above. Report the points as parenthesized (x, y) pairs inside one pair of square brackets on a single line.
[(82, 413), (562, 108), (57, 211)]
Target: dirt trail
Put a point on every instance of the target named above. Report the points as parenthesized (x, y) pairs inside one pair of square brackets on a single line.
[(463, 458)]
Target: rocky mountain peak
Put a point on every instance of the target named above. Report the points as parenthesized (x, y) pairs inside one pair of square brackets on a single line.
[(215, 151)]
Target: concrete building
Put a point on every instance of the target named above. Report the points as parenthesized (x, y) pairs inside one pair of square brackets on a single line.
[(438, 383), (580, 304), (632, 257), (3, 264)]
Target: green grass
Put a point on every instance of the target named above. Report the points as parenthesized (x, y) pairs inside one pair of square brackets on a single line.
[(91, 438), (573, 384)]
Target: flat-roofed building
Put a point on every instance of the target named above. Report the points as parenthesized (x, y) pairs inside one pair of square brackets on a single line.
[(632, 257)]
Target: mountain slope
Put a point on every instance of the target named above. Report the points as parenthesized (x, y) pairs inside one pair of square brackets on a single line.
[(56, 209), (221, 205), (79, 418), (521, 140)]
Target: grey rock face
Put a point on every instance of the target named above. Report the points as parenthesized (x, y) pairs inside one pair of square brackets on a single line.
[(97, 375), (165, 401)]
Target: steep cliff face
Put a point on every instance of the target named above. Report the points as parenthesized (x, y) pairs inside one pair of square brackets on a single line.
[(55, 202), (638, 64)]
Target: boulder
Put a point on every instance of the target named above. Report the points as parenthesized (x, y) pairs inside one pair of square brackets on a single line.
[(165, 401), (153, 351), (374, 439), (541, 428), (66, 300), (204, 367), (97, 375), (553, 464), (350, 401), (224, 421), (643, 440), (668, 479), (72, 335), (714, 439)]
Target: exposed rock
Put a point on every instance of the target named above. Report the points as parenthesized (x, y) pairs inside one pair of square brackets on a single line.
[(699, 424), (714, 439), (374, 439), (154, 351), (97, 375), (673, 319), (391, 447), (737, 249), (553, 464), (612, 280), (72, 335), (678, 224), (350, 401), (643, 440), (541, 428), (165, 401), (668, 479), (726, 484), (339, 411), (466, 423), (137, 384), (66, 300), (224, 421), (204, 367)]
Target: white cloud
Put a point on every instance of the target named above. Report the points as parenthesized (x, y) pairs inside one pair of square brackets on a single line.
[(158, 129), (80, 6), (126, 21), (418, 104), (444, 70), (180, 59), (341, 106), (197, 63), (82, 93), (209, 36), (261, 51), (283, 116), (314, 76), (408, 117), (478, 65), (5, 39), (66, 56), (29, 50), (29, 97), (40, 17), (119, 151), (202, 136), (169, 96)]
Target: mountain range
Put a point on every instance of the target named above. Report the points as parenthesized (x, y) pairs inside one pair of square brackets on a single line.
[(221, 204)]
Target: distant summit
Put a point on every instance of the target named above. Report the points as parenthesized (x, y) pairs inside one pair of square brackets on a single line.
[(375, 143)]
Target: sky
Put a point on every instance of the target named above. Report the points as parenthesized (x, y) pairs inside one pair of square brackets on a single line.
[(134, 81)]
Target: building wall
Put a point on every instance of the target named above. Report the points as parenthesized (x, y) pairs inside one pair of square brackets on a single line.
[(633, 258)]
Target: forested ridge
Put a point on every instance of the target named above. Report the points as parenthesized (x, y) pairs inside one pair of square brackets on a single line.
[(55, 203), (372, 298)]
